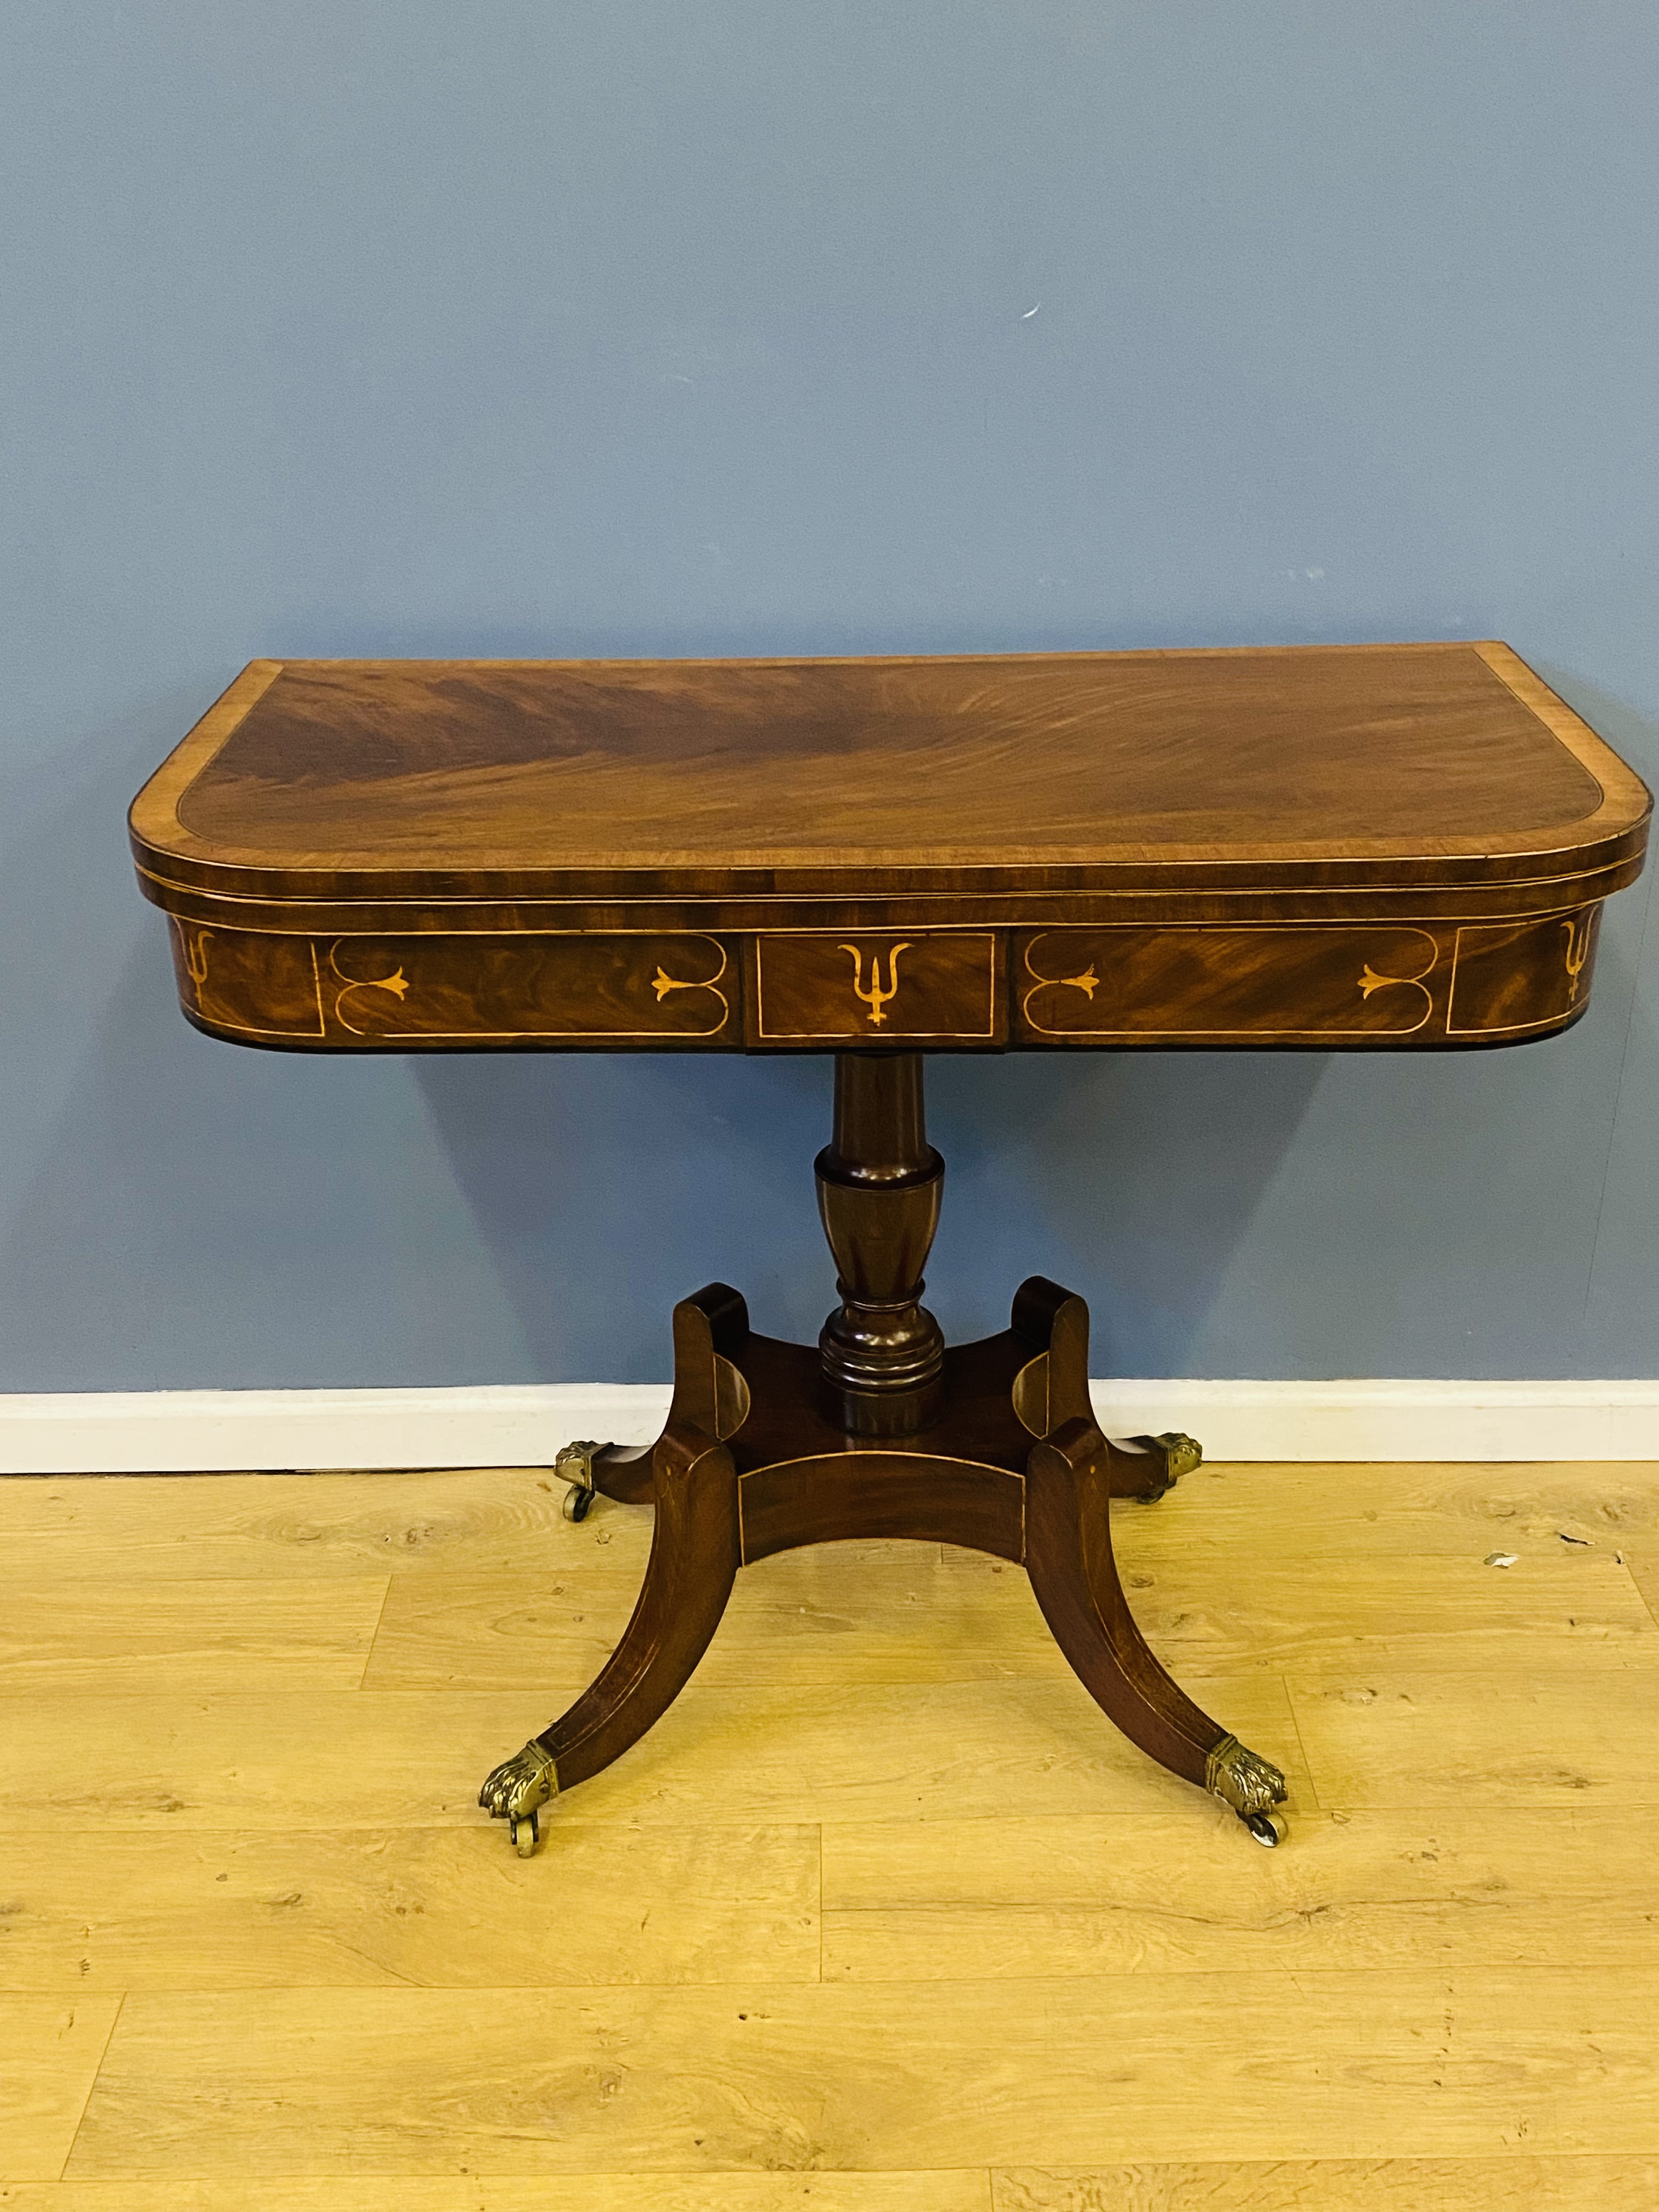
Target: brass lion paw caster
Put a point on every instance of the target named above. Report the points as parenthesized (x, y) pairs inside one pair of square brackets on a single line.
[(575, 1464), (1177, 1454), (517, 1790), (1252, 1785)]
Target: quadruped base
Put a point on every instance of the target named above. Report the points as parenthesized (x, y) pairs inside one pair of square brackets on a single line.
[(880, 1429)]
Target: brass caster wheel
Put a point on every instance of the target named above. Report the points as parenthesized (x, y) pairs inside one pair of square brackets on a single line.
[(1251, 1786), (516, 1789), (574, 1463), (1178, 1455), (1268, 1829)]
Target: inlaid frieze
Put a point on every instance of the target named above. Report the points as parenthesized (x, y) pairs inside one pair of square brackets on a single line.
[(630, 987)]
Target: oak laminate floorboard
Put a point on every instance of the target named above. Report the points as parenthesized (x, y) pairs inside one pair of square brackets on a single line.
[(419, 1907), (303, 1526), (1587, 2182), (506, 1519), (967, 2191), (1591, 2182), (1329, 1590), (1547, 1737), (1412, 1506), (894, 1613), (50, 2048), (1446, 1887), (1644, 1569), (1067, 2072), (358, 1760), (61, 1635), (803, 1618)]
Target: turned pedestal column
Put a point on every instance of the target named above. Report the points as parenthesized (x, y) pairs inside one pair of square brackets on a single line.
[(880, 1184)]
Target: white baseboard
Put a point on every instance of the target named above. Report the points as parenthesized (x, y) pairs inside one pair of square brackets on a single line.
[(196, 1432)]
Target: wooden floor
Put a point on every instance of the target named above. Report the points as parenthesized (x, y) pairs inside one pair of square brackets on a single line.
[(882, 1917)]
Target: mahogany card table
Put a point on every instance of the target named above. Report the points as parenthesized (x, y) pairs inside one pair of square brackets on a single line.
[(1379, 848)]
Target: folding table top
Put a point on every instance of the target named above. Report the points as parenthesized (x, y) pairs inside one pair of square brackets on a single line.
[(1355, 847), (1364, 764)]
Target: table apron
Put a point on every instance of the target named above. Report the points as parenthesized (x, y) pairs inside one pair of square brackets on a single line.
[(1385, 982)]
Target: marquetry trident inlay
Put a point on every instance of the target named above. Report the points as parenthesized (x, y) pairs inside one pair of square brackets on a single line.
[(196, 956), (1577, 927), (875, 997)]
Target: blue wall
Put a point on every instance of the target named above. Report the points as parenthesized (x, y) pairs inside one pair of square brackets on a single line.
[(660, 326)]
